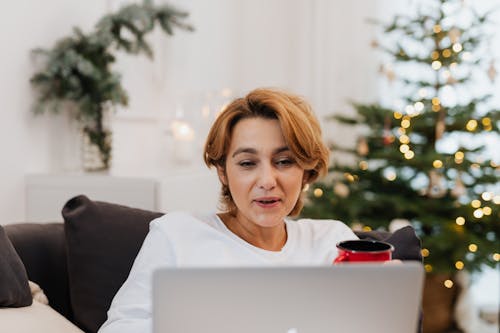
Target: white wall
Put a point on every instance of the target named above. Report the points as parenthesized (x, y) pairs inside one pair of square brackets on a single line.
[(317, 48), (237, 44), (27, 143)]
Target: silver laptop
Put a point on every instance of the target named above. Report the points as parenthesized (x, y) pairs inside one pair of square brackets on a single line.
[(349, 298)]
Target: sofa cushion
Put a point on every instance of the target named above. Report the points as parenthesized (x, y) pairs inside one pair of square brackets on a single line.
[(42, 249), (39, 318), (407, 245), (102, 240), (14, 288)]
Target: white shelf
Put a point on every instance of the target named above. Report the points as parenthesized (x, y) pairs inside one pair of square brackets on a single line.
[(190, 190)]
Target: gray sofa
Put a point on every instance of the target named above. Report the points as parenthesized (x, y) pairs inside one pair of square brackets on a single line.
[(81, 263)]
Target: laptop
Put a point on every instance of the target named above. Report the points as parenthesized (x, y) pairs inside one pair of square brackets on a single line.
[(348, 298)]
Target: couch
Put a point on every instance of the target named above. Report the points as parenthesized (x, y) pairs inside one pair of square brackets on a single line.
[(81, 263)]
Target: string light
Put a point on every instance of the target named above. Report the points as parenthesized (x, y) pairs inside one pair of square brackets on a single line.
[(453, 65), (410, 109), (437, 164), (436, 104), (471, 125), (367, 228), (437, 28), (448, 284), (398, 115), (496, 199), (446, 53), (409, 155), (404, 148), (419, 106), (478, 213), (405, 123), (459, 265), (472, 247), (487, 210), (436, 64), (475, 203), (425, 252), (496, 256), (363, 165), (405, 139), (486, 123), (428, 268), (487, 196), (349, 177), (459, 157), (460, 220), (457, 47), (318, 192), (390, 175), (401, 131)]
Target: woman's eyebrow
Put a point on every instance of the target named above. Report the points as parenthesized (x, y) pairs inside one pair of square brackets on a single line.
[(254, 151), (244, 150)]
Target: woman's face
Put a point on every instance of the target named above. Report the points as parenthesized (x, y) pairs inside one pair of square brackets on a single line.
[(263, 177)]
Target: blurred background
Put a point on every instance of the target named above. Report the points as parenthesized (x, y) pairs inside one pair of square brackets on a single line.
[(323, 50)]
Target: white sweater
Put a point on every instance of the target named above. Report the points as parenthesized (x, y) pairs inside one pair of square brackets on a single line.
[(182, 240)]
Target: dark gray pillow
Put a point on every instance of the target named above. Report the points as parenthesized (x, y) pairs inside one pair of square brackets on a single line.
[(102, 240), (407, 245), (14, 288)]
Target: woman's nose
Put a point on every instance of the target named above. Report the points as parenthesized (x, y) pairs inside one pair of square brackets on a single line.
[(267, 178)]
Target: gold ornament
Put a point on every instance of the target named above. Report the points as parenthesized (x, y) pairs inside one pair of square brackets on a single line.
[(437, 186), (459, 188), (451, 80), (492, 72), (388, 72), (440, 127), (362, 147), (454, 35), (341, 190)]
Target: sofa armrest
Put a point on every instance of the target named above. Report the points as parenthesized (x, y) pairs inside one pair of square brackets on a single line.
[(38, 318), (42, 249)]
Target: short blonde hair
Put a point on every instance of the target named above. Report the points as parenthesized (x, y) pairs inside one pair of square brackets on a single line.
[(300, 128)]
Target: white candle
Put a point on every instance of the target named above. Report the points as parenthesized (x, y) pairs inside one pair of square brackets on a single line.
[(184, 136)]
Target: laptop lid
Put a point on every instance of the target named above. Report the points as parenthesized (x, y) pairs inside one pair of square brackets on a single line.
[(354, 298)]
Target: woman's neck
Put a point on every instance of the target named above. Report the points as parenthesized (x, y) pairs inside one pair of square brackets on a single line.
[(266, 238)]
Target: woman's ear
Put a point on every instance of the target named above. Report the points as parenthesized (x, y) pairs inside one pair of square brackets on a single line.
[(305, 178), (221, 172)]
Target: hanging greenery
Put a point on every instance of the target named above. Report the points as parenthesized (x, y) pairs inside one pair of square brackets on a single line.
[(78, 68)]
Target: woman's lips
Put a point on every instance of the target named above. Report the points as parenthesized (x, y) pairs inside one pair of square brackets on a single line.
[(267, 202)]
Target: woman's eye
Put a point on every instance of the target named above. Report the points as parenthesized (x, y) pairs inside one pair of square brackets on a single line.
[(246, 164), (285, 162)]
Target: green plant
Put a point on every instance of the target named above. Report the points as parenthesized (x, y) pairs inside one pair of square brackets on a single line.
[(78, 68)]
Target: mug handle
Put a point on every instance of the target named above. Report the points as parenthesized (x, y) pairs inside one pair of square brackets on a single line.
[(341, 258)]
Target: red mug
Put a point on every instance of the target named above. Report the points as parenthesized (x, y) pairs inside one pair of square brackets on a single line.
[(363, 250)]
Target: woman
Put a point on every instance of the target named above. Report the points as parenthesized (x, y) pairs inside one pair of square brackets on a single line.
[(266, 148)]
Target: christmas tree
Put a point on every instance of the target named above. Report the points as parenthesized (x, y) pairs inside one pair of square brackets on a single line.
[(424, 161)]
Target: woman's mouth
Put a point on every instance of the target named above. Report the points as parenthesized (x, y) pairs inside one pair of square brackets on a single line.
[(267, 202)]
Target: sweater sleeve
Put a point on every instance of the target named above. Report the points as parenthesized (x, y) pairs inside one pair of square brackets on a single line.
[(131, 309)]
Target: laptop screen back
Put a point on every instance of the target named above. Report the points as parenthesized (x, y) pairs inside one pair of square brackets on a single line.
[(354, 298)]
